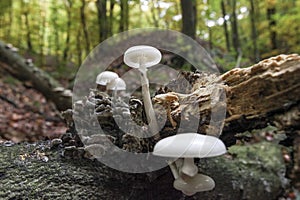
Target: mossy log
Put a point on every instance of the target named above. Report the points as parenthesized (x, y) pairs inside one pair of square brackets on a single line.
[(24, 70), (35, 172), (266, 93)]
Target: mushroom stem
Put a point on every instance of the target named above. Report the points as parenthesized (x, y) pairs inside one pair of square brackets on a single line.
[(152, 122), (189, 168), (174, 170)]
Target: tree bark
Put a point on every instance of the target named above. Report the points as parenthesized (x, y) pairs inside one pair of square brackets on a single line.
[(102, 19), (68, 5), (271, 11), (28, 30), (124, 16), (234, 27), (188, 10), (111, 17), (225, 26), (254, 31), (24, 70), (84, 27), (267, 92)]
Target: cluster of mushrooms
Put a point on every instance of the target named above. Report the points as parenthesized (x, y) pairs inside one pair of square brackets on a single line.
[(179, 150)]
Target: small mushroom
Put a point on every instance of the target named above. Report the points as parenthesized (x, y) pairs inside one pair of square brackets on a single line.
[(104, 78), (189, 146), (116, 85), (142, 57)]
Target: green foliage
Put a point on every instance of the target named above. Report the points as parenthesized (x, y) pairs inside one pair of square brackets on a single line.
[(40, 27)]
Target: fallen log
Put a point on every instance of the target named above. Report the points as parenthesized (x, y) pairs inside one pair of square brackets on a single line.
[(258, 165), (24, 70)]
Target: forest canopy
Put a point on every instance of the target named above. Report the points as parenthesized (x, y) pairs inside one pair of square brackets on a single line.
[(62, 33)]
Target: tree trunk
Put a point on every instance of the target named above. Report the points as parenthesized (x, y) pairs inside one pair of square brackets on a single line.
[(268, 92), (84, 27), (234, 27), (28, 31), (24, 70), (271, 11), (42, 37), (111, 17), (68, 5), (254, 31), (124, 16), (102, 19), (225, 26), (56, 38), (188, 10), (78, 48)]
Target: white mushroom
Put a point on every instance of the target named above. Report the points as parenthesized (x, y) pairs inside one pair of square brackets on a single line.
[(104, 78), (191, 185), (189, 146), (143, 57), (116, 85)]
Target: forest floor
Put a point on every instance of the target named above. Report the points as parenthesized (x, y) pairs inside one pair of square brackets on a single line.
[(25, 115)]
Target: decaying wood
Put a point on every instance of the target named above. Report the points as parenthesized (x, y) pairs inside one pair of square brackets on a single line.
[(25, 70), (252, 98), (253, 95)]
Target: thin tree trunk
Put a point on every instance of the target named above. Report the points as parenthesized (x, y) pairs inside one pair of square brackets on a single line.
[(28, 30), (102, 19), (234, 27), (188, 10), (84, 26), (124, 16), (55, 40), (271, 11), (254, 31), (210, 40), (127, 15), (42, 37), (111, 17), (68, 5), (225, 26), (78, 48)]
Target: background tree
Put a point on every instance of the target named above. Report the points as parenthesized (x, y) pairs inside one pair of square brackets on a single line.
[(254, 31), (271, 11), (61, 33), (189, 17), (102, 19), (84, 26), (226, 32)]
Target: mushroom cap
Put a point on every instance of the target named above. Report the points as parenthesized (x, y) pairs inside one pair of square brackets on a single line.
[(189, 145), (105, 77), (150, 55), (116, 84)]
